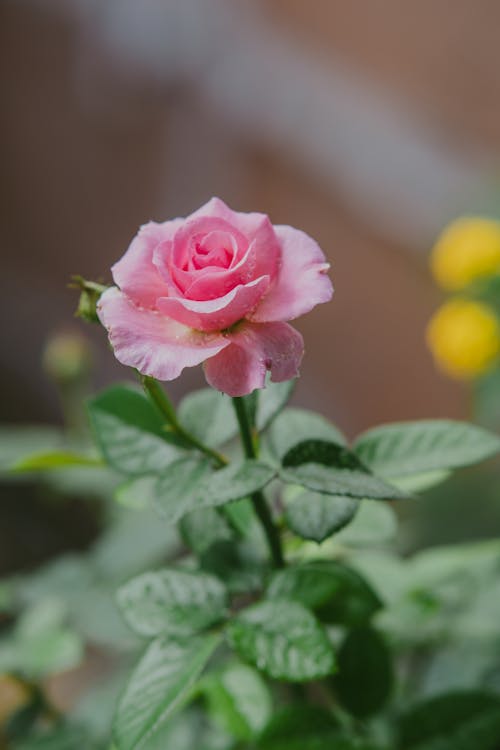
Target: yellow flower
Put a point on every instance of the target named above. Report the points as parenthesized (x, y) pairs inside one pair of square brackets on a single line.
[(467, 249), (464, 337)]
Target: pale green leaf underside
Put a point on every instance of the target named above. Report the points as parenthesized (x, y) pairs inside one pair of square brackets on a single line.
[(209, 415), (54, 460), (174, 601), (332, 481), (190, 483), (159, 686), (315, 516), (309, 584), (130, 432), (18, 443), (239, 700), (137, 493), (284, 640), (405, 448), (295, 425), (374, 523)]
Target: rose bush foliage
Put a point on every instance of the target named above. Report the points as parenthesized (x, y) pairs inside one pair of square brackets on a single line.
[(229, 567)]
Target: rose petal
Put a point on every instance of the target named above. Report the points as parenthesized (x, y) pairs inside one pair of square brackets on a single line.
[(241, 367), (194, 231), (256, 227), (173, 259), (302, 281), (248, 224), (217, 314), (150, 342), (256, 252), (211, 283), (135, 272), (218, 249)]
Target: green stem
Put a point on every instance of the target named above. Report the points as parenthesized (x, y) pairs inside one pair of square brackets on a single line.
[(163, 403), (258, 499)]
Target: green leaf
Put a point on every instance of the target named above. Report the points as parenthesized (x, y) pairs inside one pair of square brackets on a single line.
[(132, 543), (420, 482), (344, 482), (50, 652), (300, 727), (332, 469), (160, 685), (365, 677), (295, 425), (174, 601), (374, 523), (54, 460), (204, 527), (337, 593), (332, 740), (238, 565), (406, 448), (284, 640), (241, 516), (238, 700), (190, 730), (40, 643), (311, 584), (190, 483), (16, 443), (306, 727), (137, 493), (63, 737), (322, 452), (272, 399), (463, 720), (314, 516), (130, 432), (209, 416)]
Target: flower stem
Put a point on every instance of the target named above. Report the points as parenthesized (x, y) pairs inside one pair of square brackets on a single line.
[(259, 502), (163, 403)]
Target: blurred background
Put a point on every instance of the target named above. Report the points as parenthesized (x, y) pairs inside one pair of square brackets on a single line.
[(368, 125)]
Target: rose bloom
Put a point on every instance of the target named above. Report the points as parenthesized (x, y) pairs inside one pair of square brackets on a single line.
[(216, 287)]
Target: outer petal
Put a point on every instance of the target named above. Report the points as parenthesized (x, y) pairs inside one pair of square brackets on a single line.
[(149, 341), (216, 314), (241, 367), (247, 223), (302, 281), (135, 273)]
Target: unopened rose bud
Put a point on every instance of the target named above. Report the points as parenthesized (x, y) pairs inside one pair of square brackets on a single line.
[(90, 291), (67, 357)]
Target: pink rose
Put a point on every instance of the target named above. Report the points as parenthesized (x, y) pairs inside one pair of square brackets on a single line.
[(216, 287)]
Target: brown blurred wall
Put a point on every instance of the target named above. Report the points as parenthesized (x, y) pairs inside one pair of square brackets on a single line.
[(75, 185)]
